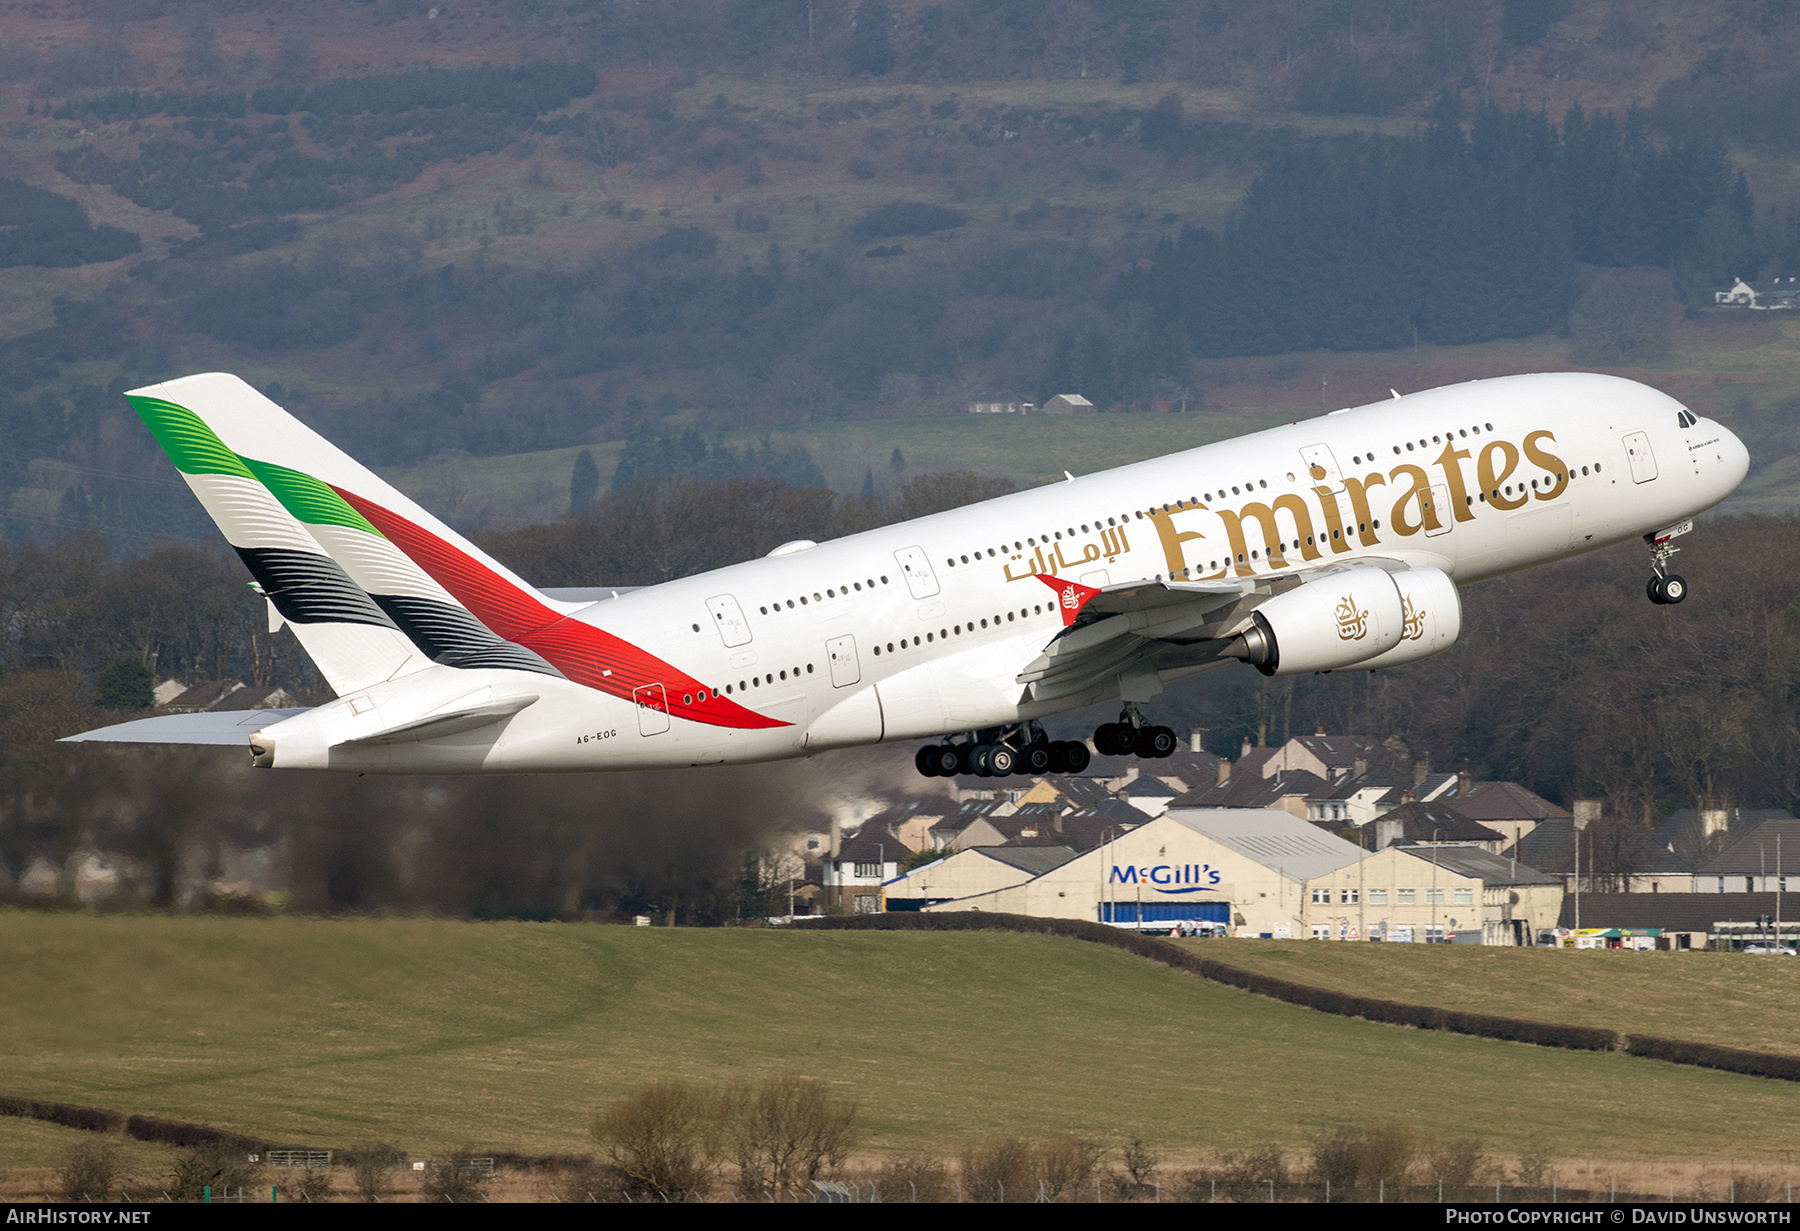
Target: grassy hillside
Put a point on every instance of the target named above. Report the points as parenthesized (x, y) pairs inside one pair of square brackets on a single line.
[(433, 1033), (1735, 367), (1727, 998)]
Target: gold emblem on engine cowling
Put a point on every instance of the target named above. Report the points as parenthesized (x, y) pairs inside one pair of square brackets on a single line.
[(1414, 627), (1353, 625)]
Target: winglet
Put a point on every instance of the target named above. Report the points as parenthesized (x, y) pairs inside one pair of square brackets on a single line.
[(1071, 596)]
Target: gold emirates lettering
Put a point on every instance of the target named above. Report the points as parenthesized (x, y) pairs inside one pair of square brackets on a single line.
[(1352, 624), (1495, 465)]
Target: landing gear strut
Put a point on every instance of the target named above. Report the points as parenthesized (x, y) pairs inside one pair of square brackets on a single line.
[(1664, 588)]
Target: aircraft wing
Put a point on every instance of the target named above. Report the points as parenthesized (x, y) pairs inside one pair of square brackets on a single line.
[(225, 728), (1141, 629)]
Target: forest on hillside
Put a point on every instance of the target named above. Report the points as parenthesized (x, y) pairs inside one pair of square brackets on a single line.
[(1481, 215)]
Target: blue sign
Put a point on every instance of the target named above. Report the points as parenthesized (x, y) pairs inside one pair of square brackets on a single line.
[(1167, 877)]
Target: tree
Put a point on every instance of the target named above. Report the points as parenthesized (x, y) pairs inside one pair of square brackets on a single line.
[(125, 685), (870, 50), (584, 484), (1624, 317)]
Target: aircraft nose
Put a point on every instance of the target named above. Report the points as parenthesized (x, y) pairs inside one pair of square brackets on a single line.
[(1734, 461)]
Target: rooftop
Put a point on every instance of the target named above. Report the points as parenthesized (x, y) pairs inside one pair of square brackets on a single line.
[(1275, 839)]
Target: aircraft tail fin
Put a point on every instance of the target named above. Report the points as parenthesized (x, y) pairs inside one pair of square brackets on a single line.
[(457, 605), (351, 640)]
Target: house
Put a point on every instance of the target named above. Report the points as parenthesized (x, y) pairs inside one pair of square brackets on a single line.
[(1151, 796), (1329, 757), (1358, 798), (1509, 808), (854, 874), (1000, 404), (972, 872), (1403, 893), (1068, 404), (1287, 791), (219, 695), (1779, 295), (1415, 823), (1764, 860), (1682, 854), (1517, 902)]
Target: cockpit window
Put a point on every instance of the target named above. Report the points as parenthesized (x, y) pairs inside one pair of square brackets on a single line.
[(1687, 418)]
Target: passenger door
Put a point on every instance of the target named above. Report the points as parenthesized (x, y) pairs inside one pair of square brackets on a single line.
[(1434, 506), (1643, 461), (1322, 467), (845, 670), (652, 709), (920, 580), (729, 619)]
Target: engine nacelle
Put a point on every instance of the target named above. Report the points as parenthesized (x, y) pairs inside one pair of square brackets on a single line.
[(1431, 615), (1331, 622)]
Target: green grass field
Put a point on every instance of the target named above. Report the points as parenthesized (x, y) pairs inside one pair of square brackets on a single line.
[(435, 1033), (1728, 998)]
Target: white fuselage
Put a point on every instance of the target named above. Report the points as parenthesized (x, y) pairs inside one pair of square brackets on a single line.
[(922, 628)]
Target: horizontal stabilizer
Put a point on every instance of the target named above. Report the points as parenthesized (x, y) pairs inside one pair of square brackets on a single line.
[(452, 722), (230, 728)]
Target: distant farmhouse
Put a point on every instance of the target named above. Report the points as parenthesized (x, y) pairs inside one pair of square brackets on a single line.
[(1777, 296), (1001, 404), (1068, 404)]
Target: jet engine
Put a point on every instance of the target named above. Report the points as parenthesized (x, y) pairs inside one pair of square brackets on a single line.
[(1331, 622), (1431, 618)]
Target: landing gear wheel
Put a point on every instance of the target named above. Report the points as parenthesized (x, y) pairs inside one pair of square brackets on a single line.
[(1154, 742), (1114, 739), (1674, 589), (995, 760), (943, 760), (1075, 756), (1035, 759), (1653, 591)]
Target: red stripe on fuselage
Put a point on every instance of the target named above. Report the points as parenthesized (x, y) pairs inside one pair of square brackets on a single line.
[(588, 655)]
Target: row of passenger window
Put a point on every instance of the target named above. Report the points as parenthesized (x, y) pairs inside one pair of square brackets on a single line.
[(832, 592), (957, 630)]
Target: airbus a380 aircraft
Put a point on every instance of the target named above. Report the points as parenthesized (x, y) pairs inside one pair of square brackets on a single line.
[(1330, 545)]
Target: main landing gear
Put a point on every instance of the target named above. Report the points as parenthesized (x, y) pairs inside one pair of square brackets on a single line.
[(998, 751), (1025, 749), (1664, 588)]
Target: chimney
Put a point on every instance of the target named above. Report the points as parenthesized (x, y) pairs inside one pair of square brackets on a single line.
[(1320, 730), (1464, 784), (1194, 744), (1408, 797), (1057, 821), (837, 837), (1359, 768), (1224, 770), (1712, 821), (1587, 811), (1421, 769), (1387, 833), (1131, 773), (1245, 750)]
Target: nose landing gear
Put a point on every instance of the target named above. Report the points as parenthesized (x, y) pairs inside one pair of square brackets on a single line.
[(1664, 588)]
